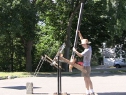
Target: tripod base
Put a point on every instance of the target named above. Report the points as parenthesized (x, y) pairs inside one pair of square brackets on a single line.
[(65, 93)]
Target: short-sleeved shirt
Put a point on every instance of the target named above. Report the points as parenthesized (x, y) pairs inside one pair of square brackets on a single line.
[(87, 53)]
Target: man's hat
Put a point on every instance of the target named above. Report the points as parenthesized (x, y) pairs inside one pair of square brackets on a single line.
[(85, 41)]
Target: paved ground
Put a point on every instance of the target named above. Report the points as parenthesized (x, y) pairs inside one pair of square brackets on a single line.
[(104, 84)]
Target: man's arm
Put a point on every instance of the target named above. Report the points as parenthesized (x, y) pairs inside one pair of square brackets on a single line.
[(80, 35), (79, 54)]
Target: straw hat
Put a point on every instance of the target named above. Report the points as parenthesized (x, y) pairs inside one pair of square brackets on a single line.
[(85, 41)]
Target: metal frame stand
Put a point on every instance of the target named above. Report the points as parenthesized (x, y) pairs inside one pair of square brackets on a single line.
[(59, 78), (59, 84)]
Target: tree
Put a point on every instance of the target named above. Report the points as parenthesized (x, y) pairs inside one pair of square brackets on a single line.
[(29, 27), (20, 19)]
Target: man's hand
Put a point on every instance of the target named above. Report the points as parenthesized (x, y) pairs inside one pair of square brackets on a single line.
[(74, 50), (78, 31)]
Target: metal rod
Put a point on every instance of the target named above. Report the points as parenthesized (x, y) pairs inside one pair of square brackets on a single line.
[(78, 27), (58, 77)]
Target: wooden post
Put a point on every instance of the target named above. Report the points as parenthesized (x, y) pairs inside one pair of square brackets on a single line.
[(29, 88)]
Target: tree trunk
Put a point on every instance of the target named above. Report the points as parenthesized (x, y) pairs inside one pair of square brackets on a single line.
[(11, 65), (12, 56), (29, 45), (67, 39)]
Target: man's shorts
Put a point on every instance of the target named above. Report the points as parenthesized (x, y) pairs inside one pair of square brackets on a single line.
[(88, 69)]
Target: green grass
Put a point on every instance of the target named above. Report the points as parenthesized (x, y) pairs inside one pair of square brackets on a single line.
[(119, 71), (28, 74), (5, 75), (18, 74)]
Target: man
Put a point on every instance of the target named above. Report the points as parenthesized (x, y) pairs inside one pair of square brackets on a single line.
[(86, 54)]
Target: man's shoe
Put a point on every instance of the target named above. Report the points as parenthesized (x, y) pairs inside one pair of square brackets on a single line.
[(92, 94)]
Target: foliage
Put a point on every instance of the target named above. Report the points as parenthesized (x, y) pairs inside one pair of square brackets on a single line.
[(32, 28)]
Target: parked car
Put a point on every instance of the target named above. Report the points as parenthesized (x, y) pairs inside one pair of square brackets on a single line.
[(120, 63)]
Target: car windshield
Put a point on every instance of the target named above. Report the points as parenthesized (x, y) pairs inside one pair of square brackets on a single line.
[(123, 60)]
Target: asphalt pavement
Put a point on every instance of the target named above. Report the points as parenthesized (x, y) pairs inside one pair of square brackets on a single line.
[(103, 83)]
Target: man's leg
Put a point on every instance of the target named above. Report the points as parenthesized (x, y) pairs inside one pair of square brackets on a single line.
[(73, 63), (87, 80), (91, 86), (88, 85)]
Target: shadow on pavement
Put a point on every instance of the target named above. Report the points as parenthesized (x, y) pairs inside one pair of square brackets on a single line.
[(108, 93), (105, 93), (40, 94), (112, 93), (18, 87)]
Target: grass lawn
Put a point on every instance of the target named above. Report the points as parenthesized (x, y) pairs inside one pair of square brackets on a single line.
[(5, 75), (14, 74), (28, 74)]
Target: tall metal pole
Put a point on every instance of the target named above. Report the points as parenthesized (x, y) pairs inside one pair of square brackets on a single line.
[(58, 79), (78, 28), (59, 89)]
